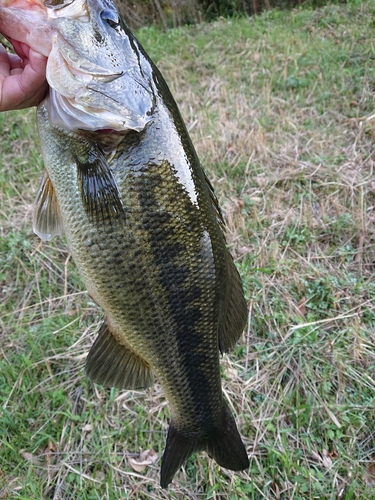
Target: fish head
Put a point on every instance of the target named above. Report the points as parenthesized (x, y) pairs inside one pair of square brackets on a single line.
[(97, 74), (90, 37), (100, 79)]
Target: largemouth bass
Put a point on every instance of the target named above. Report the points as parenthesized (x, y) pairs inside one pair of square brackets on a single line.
[(143, 225)]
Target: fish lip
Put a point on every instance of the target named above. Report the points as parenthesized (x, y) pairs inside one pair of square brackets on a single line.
[(23, 33)]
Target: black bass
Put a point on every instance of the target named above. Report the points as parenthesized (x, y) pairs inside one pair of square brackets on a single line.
[(142, 222)]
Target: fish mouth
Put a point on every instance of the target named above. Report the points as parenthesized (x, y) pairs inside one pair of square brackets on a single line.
[(105, 131)]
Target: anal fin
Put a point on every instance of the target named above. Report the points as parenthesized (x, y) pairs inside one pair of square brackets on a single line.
[(47, 220), (113, 364)]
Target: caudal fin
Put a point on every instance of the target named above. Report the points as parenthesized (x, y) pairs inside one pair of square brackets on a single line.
[(223, 443)]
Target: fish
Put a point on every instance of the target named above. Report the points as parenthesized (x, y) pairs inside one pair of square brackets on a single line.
[(124, 183)]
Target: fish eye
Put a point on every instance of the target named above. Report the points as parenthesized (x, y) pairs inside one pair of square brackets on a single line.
[(110, 17)]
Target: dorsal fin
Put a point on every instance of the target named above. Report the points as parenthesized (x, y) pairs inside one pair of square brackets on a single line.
[(235, 315), (113, 364), (215, 203), (47, 220)]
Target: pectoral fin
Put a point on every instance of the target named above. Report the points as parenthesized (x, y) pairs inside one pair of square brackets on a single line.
[(47, 220), (99, 191), (113, 364)]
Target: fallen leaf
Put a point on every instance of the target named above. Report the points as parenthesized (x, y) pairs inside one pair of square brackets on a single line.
[(243, 250), (369, 475), (52, 446), (87, 428), (231, 373), (327, 461), (301, 307), (30, 457), (49, 451), (257, 57), (99, 475), (237, 206), (261, 180), (147, 457)]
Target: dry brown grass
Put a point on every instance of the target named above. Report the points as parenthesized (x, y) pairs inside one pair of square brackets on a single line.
[(284, 126)]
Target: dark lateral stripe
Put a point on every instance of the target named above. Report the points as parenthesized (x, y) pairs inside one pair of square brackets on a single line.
[(168, 241)]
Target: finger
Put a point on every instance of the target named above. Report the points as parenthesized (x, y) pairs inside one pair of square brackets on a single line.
[(21, 49), (18, 48), (8, 61), (38, 63), (27, 88), (4, 63), (33, 79)]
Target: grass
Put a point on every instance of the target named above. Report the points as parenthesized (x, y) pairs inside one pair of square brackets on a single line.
[(281, 111)]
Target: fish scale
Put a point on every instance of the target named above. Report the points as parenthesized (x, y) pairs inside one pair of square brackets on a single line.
[(142, 223)]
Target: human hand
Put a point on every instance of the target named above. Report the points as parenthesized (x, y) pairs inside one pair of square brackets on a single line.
[(22, 77)]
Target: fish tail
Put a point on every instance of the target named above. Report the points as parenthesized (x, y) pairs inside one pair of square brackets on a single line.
[(224, 444)]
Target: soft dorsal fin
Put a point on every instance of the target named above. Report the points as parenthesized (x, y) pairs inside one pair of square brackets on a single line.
[(100, 195), (235, 308), (215, 203), (113, 364), (236, 312), (47, 220)]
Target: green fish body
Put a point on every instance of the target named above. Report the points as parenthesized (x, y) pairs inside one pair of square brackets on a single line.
[(146, 232)]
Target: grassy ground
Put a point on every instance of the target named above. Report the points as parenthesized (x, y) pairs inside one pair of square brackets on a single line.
[(281, 110)]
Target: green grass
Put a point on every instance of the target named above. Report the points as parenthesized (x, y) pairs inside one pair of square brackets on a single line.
[(281, 111)]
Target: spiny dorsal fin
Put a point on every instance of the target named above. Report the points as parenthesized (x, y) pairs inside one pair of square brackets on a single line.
[(100, 195), (235, 315), (47, 220), (112, 364)]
